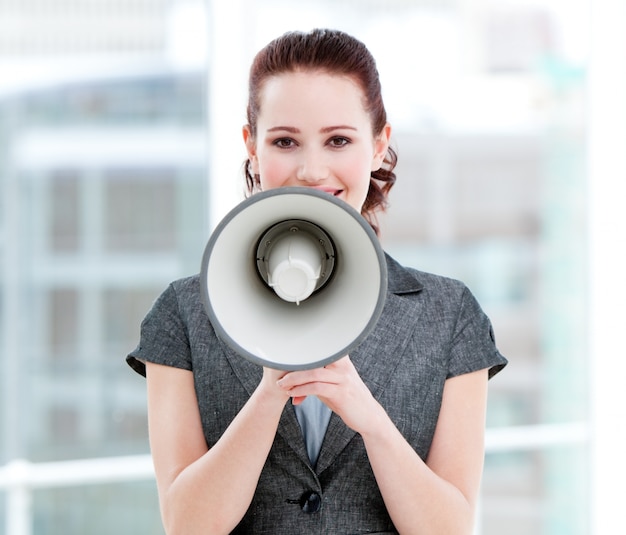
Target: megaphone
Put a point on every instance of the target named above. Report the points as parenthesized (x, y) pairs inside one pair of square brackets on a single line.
[(293, 278)]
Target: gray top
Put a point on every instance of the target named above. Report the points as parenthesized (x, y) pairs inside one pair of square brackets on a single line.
[(431, 329)]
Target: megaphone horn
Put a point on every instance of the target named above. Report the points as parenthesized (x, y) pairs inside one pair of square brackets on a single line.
[(293, 278)]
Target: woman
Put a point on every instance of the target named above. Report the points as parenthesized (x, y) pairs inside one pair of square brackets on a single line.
[(402, 418)]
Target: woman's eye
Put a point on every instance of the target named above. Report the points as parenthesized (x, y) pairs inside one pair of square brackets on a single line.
[(284, 143), (339, 141)]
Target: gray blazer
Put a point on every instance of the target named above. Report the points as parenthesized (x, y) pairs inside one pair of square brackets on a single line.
[(431, 329)]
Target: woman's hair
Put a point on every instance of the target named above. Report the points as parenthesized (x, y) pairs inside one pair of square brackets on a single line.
[(334, 52)]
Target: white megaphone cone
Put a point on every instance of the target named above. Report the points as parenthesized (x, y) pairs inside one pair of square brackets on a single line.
[(293, 278)]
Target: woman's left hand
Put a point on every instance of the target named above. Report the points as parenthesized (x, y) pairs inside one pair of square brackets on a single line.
[(339, 386)]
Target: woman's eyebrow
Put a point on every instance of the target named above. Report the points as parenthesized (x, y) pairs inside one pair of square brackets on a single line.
[(291, 129), (325, 130), (329, 129)]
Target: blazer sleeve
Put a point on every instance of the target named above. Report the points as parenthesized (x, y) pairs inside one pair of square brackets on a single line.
[(473, 342), (163, 336)]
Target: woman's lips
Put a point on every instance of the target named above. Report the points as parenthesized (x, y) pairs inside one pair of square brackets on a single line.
[(332, 191)]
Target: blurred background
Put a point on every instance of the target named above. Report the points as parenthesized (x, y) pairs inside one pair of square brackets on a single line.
[(120, 149)]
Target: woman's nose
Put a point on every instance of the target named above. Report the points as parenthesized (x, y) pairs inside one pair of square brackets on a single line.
[(312, 169)]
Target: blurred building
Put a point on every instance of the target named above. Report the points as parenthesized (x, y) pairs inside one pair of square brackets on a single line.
[(104, 199)]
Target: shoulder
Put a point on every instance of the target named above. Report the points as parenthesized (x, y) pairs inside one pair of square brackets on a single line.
[(408, 280), (186, 286), (444, 301), (180, 294), (178, 306), (450, 313)]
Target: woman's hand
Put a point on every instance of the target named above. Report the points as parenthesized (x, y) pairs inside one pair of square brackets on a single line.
[(270, 384), (339, 386)]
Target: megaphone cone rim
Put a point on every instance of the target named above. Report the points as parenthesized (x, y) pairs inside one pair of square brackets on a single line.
[(260, 197)]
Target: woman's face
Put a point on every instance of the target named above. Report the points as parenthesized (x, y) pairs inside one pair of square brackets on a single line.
[(313, 131)]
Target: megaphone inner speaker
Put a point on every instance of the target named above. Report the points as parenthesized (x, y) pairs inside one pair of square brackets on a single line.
[(301, 250), (344, 304)]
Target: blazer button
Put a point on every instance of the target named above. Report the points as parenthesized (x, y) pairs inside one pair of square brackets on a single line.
[(311, 502)]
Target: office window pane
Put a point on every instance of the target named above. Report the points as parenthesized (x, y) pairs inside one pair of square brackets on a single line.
[(98, 510), (65, 212), (140, 211), (64, 323), (525, 491), (63, 425)]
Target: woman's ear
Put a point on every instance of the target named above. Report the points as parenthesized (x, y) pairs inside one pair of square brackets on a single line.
[(250, 142), (381, 145)]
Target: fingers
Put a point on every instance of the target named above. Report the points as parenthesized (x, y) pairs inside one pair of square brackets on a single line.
[(296, 400), (329, 383), (299, 378), (339, 386), (331, 373)]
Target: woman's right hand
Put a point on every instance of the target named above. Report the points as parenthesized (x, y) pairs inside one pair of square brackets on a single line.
[(270, 381)]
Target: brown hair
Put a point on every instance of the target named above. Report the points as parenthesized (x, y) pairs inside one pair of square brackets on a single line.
[(334, 52)]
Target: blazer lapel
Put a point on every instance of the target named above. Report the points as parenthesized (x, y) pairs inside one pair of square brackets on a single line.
[(376, 359)]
